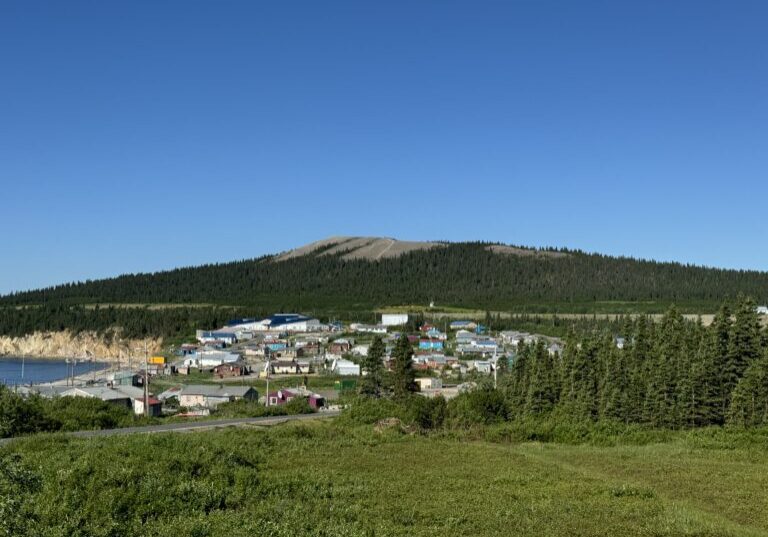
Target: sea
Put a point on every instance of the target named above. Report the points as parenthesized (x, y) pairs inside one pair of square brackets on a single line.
[(37, 370)]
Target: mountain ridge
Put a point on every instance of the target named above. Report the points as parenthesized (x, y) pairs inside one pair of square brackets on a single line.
[(364, 273)]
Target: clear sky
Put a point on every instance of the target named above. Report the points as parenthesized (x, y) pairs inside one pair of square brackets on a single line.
[(138, 136)]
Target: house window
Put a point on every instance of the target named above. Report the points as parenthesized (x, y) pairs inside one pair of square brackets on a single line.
[(273, 400)]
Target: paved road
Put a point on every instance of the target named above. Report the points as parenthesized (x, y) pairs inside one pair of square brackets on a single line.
[(197, 425)]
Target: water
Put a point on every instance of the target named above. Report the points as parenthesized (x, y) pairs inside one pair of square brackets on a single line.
[(36, 370)]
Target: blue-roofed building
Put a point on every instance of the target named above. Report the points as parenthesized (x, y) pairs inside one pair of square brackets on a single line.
[(430, 344), (463, 325), (205, 336), (292, 322), (237, 322)]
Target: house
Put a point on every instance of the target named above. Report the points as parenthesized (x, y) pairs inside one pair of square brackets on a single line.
[(434, 333), (123, 378), (109, 395), (186, 348), (288, 367), (205, 359), (282, 396), (394, 319), (339, 346), (368, 328), (430, 344), (464, 336), (276, 346), (429, 383), (170, 393), (360, 350), (230, 369), (210, 396), (345, 367), (483, 366), (155, 407), (762, 310), (463, 325)]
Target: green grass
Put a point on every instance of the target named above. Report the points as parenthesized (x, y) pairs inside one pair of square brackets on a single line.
[(325, 479)]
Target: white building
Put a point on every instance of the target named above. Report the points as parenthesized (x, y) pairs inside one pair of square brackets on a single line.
[(205, 336), (394, 319), (429, 383), (368, 328), (762, 310), (345, 367), (209, 358)]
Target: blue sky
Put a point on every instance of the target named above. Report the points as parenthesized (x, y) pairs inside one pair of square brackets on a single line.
[(139, 136)]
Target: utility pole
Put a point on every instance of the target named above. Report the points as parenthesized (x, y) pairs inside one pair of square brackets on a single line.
[(266, 354), (146, 380)]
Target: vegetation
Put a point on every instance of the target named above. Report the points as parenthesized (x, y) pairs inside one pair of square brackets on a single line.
[(373, 368), (461, 275), (274, 483), (112, 321), (671, 374), (34, 414), (403, 375)]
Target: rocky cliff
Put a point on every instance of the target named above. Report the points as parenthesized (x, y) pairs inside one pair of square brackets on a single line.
[(65, 344)]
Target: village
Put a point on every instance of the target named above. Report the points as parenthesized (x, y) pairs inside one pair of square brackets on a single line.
[(274, 360)]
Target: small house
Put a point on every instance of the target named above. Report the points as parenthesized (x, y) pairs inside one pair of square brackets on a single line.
[(282, 396), (210, 396), (155, 407), (345, 368), (430, 344), (429, 383), (231, 369), (339, 346)]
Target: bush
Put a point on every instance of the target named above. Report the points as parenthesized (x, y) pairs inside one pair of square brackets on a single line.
[(477, 407), (22, 416), (85, 413), (413, 410), (248, 409), (298, 405)]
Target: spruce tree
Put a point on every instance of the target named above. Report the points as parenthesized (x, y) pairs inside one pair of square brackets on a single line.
[(718, 342), (543, 389), (371, 382), (749, 404), (403, 375), (743, 346)]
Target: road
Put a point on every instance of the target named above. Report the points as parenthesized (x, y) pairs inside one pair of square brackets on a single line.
[(195, 425)]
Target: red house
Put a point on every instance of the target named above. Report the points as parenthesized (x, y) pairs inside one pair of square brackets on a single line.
[(282, 396)]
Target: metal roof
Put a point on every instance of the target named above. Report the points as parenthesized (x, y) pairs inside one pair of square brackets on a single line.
[(208, 390)]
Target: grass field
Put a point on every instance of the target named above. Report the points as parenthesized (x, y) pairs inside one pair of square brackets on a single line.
[(323, 479)]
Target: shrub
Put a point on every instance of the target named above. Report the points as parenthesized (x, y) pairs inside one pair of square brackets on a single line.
[(477, 407)]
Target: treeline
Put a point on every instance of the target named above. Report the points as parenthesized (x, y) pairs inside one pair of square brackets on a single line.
[(671, 374), (133, 322), (459, 274)]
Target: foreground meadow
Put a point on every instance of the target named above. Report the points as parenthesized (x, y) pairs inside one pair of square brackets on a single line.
[(323, 479)]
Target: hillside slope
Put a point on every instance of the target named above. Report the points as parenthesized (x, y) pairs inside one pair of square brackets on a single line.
[(359, 273)]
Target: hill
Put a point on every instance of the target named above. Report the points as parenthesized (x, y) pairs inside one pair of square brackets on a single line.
[(362, 273)]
